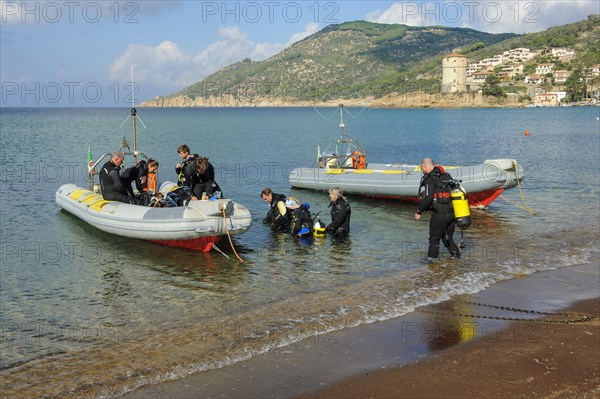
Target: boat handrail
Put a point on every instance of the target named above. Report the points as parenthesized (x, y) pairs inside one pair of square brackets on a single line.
[(92, 165), (341, 158)]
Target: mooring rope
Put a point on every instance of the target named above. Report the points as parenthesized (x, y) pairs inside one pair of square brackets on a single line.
[(229, 235), (526, 207), (572, 317)]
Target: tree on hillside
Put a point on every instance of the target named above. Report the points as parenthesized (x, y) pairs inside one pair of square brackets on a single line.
[(575, 86), (491, 87)]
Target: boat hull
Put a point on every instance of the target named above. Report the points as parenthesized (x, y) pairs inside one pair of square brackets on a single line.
[(483, 183), (196, 226)]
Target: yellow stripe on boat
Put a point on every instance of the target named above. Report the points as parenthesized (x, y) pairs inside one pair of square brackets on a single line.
[(90, 199), (334, 171), (363, 171), (76, 194), (393, 172), (97, 206)]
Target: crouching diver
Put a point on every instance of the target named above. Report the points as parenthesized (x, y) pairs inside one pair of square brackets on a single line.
[(278, 216), (434, 194), (113, 187), (144, 176), (200, 178), (302, 223), (340, 214)]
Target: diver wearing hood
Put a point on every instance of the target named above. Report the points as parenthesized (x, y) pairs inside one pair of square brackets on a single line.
[(302, 223), (435, 196)]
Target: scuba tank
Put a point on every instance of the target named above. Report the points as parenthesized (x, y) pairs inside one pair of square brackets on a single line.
[(460, 206), (319, 228)]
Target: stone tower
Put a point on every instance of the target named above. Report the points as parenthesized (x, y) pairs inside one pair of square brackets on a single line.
[(454, 73)]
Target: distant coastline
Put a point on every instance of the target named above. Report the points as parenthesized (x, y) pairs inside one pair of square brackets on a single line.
[(394, 100)]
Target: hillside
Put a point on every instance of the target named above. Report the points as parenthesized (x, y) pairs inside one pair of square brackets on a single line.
[(361, 59)]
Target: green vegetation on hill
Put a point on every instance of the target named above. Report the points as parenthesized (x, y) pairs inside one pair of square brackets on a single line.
[(583, 36), (359, 59)]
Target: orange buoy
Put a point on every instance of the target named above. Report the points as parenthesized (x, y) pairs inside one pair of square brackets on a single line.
[(526, 132)]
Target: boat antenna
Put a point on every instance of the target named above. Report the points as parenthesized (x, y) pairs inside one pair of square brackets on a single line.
[(342, 126), (134, 118)]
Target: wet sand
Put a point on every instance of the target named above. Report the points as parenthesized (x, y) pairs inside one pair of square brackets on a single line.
[(550, 361), (462, 348)]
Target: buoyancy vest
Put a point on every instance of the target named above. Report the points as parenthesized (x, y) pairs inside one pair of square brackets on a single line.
[(301, 219), (443, 183), (181, 178), (274, 216), (151, 182), (435, 190)]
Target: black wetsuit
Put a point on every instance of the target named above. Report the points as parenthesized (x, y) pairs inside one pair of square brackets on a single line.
[(301, 218), (274, 217), (112, 185), (135, 174), (181, 179), (340, 218), (200, 182), (436, 198)]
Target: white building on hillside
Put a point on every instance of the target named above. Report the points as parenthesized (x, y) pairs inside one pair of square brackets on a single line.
[(563, 54), (535, 79), (559, 95), (480, 77), (543, 69), (561, 76)]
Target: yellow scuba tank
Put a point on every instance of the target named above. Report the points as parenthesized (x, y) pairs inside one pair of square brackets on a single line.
[(319, 228), (461, 207)]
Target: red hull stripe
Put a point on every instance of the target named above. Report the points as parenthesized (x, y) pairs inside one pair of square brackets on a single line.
[(202, 244), (476, 200)]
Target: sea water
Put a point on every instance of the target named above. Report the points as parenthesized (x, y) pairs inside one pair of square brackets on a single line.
[(102, 314)]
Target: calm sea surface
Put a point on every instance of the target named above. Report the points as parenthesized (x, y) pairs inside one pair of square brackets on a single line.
[(101, 314)]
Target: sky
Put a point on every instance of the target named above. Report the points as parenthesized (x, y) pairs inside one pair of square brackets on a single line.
[(81, 53)]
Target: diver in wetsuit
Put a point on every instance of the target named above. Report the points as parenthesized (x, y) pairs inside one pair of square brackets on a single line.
[(186, 158), (111, 183), (340, 214), (278, 216), (302, 223), (434, 193), (199, 176), (139, 174)]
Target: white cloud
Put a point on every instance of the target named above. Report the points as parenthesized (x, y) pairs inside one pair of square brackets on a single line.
[(154, 65), (518, 16), (167, 66), (309, 29)]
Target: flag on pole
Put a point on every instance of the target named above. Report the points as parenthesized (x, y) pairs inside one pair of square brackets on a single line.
[(89, 155)]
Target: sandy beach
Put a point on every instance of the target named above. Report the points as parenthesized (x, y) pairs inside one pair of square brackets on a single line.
[(549, 361), (523, 337)]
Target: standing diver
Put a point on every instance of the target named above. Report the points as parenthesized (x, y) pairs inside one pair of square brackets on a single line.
[(340, 214), (186, 158), (434, 193)]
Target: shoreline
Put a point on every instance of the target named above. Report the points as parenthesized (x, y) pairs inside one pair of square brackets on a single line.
[(549, 361), (416, 100), (368, 357)]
